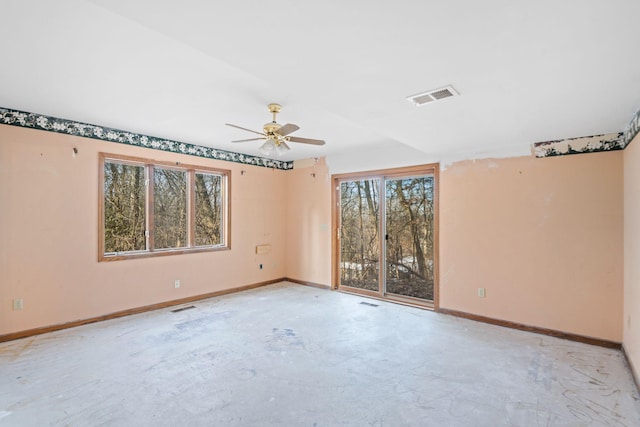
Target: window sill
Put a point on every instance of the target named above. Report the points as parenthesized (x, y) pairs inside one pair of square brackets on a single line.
[(159, 253)]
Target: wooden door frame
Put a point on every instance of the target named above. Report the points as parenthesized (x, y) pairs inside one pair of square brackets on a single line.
[(383, 174)]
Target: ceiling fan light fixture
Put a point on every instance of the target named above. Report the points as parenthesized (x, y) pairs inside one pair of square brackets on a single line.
[(268, 147), (281, 149)]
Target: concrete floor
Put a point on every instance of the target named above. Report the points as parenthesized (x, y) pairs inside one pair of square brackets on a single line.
[(298, 356)]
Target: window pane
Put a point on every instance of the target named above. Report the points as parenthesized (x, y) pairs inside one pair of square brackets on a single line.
[(169, 208), (124, 208), (359, 234), (208, 209), (410, 236)]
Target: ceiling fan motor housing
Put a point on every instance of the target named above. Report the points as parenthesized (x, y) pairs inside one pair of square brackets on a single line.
[(271, 128), (274, 108)]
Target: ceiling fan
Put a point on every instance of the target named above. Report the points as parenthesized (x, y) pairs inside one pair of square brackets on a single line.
[(275, 135)]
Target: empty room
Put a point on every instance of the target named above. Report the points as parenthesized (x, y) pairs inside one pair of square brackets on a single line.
[(327, 213)]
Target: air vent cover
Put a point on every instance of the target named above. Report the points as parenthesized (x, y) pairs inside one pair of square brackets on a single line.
[(432, 95)]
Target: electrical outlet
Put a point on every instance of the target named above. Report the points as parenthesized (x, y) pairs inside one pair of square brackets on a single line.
[(176, 284), (482, 292), (18, 304)]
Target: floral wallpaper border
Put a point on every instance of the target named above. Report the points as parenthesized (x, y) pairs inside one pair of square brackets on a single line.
[(561, 147), (589, 144), (70, 127), (583, 144), (632, 129)]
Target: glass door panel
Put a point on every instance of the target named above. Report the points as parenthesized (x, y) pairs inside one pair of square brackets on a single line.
[(409, 266), (360, 234)]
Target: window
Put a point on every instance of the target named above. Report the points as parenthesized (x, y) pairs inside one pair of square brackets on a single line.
[(169, 208), (153, 208)]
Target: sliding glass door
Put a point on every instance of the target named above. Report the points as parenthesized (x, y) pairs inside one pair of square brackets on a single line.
[(360, 234), (387, 235), (409, 237)]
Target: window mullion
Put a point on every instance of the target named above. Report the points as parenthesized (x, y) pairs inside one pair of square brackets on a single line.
[(191, 208), (382, 225), (150, 223), (225, 220)]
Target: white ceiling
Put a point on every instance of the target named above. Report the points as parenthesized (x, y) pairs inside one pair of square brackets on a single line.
[(527, 71)]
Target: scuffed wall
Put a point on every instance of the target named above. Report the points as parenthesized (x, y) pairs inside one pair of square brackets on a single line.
[(309, 224), (49, 234), (631, 317), (543, 236)]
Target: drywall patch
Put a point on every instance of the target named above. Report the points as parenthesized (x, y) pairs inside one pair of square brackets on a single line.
[(520, 150), (69, 127), (305, 163), (580, 145)]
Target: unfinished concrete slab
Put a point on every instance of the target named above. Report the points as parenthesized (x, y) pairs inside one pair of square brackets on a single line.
[(292, 355)]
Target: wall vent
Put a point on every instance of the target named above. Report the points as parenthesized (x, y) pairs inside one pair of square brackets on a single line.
[(369, 304), (432, 95), (177, 310)]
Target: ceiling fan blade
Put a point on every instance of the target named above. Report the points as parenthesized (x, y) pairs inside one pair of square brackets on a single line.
[(246, 140), (248, 130), (284, 144), (287, 129), (305, 140)]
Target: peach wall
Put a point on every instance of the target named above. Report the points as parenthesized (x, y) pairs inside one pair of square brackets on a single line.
[(309, 224), (543, 236), (631, 318), (49, 234)]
